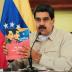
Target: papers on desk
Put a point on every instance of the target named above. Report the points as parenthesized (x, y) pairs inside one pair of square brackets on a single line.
[(40, 67)]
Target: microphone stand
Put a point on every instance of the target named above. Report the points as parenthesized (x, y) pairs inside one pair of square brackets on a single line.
[(31, 68)]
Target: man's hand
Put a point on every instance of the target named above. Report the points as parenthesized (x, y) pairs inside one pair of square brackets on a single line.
[(25, 52), (36, 56)]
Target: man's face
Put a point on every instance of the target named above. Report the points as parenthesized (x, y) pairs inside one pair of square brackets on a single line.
[(44, 23), (10, 35), (16, 36)]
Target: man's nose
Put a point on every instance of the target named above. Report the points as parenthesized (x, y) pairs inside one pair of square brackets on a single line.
[(42, 22)]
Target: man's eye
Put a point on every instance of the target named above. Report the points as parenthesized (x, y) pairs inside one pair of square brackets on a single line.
[(37, 19)]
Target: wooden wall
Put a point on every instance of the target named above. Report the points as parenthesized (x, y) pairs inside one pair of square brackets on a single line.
[(57, 4)]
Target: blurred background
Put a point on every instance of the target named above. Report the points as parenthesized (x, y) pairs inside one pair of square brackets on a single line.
[(63, 12)]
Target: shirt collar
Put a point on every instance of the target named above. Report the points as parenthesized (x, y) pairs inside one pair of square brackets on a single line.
[(51, 35)]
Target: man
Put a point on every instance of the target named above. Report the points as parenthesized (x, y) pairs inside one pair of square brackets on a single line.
[(52, 48), (9, 35)]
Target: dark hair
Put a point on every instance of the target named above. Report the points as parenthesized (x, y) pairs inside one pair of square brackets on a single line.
[(44, 8), (71, 32), (13, 31)]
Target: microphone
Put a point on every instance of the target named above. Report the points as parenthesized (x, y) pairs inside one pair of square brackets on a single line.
[(30, 58)]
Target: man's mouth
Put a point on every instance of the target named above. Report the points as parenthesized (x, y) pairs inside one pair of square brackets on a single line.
[(42, 29)]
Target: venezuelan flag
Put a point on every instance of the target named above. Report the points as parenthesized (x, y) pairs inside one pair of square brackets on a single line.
[(17, 14), (24, 9)]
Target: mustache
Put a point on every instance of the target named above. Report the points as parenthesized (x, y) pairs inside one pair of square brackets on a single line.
[(42, 27)]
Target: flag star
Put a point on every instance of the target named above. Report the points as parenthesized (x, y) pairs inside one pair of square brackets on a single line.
[(6, 25), (11, 24), (18, 26)]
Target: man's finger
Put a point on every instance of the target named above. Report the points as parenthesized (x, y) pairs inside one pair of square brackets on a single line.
[(26, 47)]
